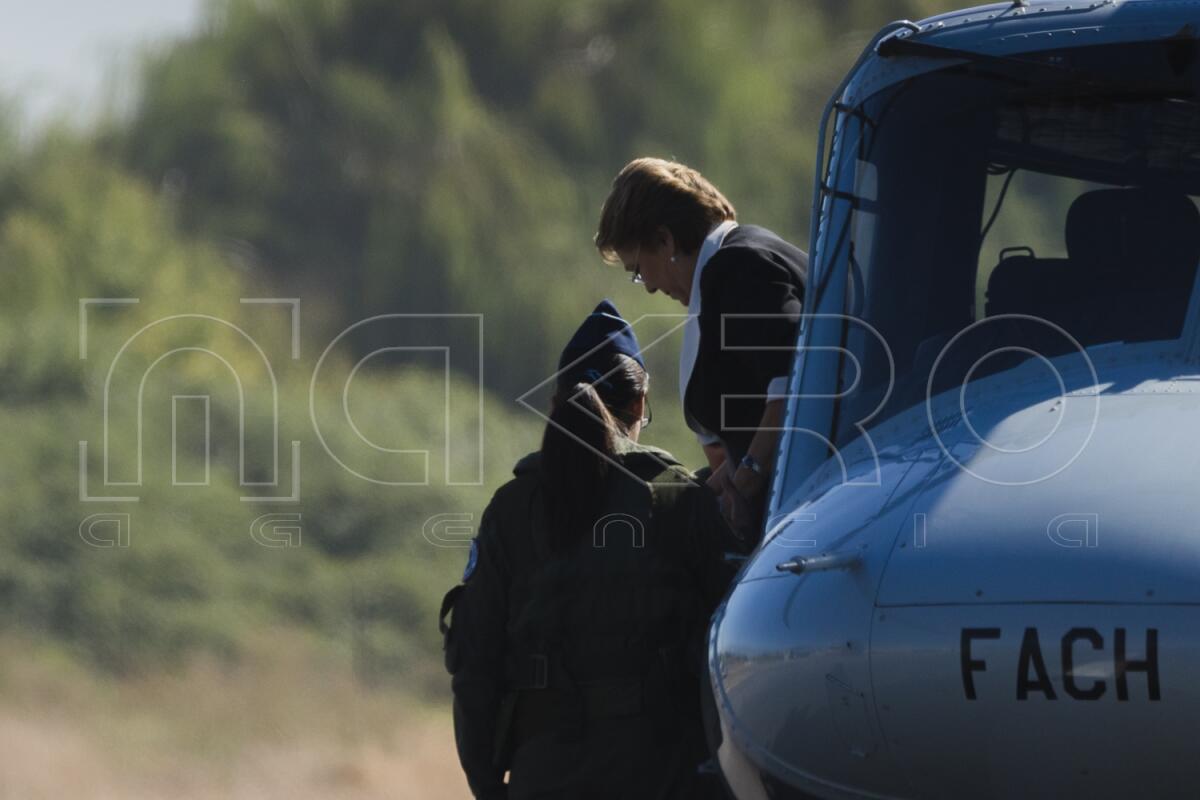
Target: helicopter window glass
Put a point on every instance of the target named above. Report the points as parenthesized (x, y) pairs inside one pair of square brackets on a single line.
[(865, 214), (1031, 221), (1097, 234)]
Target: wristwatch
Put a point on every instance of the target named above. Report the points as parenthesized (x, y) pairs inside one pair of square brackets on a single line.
[(751, 463)]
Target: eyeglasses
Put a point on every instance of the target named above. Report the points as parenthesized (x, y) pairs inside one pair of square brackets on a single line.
[(649, 416)]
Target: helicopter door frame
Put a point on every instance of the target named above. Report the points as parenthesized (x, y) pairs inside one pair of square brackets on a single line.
[(808, 428)]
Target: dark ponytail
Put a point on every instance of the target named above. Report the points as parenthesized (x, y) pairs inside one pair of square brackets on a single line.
[(580, 442)]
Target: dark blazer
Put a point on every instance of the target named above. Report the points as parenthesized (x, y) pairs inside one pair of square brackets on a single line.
[(754, 272)]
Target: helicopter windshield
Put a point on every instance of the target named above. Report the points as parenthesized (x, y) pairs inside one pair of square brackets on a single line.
[(1059, 209)]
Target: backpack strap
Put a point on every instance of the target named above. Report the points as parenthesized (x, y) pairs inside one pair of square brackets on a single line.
[(448, 601)]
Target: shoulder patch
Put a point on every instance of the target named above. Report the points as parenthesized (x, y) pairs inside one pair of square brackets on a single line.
[(472, 561)]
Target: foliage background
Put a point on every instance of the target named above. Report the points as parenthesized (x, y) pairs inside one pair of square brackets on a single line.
[(367, 157)]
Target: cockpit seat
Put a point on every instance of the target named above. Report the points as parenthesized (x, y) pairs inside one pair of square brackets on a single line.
[(1135, 253), (1022, 283), (1147, 238), (1131, 260)]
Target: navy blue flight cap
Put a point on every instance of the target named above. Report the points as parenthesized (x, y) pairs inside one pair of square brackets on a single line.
[(603, 333)]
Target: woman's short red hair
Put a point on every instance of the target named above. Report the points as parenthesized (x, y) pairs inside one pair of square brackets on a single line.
[(650, 193)]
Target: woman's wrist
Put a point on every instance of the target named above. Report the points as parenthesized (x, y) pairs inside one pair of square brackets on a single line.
[(748, 481)]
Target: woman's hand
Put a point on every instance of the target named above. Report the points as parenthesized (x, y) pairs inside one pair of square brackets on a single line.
[(721, 483), (735, 499), (748, 482), (748, 486), (739, 492)]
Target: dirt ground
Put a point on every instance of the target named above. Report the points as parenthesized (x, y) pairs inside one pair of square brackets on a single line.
[(288, 726), (46, 757)]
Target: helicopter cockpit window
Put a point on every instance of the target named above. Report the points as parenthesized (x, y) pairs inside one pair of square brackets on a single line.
[(1064, 211)]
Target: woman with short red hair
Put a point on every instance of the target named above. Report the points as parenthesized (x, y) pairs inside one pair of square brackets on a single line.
[(674, 232)]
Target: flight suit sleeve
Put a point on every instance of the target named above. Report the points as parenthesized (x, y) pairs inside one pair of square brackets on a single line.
[(475, 657)]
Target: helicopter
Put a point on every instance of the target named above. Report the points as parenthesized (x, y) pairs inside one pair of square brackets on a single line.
[(980, 571)]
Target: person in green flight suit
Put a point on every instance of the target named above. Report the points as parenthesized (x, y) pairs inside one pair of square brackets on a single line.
[(577, 641)]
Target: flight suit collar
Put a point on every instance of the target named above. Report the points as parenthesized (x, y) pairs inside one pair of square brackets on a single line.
[(625, 447)]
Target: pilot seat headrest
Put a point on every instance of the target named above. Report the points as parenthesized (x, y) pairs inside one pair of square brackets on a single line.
[(1111, 230)]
